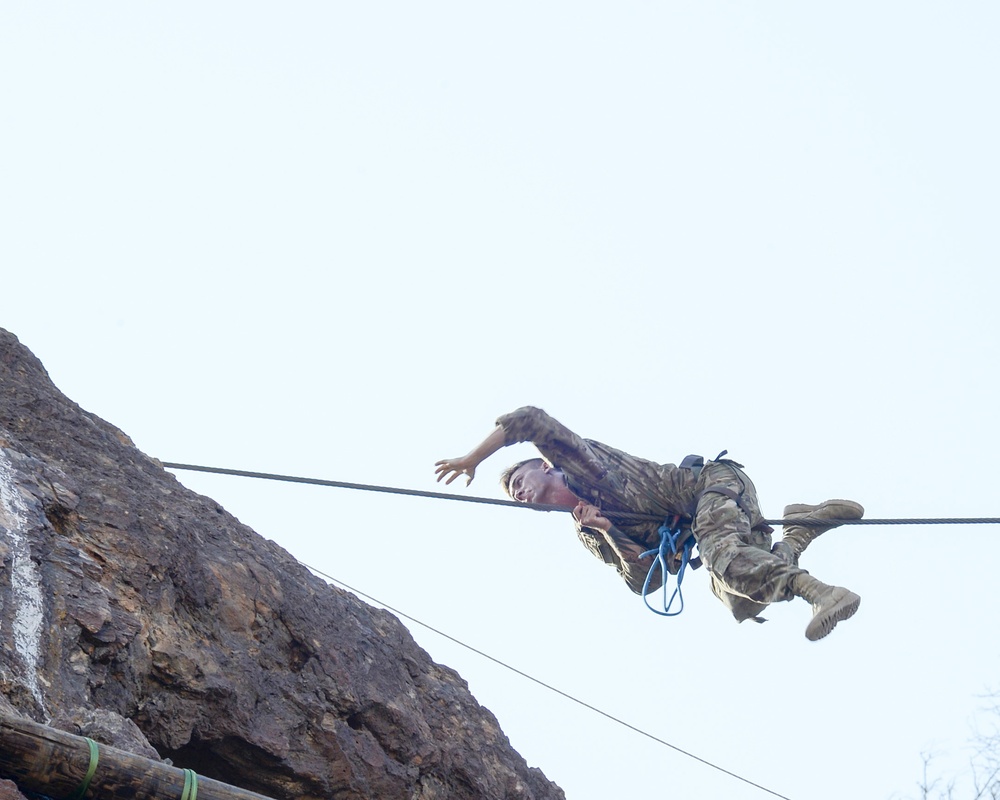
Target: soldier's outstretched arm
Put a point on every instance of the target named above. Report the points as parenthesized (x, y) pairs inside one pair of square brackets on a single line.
[(450, 468)]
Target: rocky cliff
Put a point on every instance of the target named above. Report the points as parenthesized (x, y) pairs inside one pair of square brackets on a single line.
[(141, 614)]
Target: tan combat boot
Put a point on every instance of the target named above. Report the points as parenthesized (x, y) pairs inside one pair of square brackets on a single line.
[(798, 537), (831, 604)]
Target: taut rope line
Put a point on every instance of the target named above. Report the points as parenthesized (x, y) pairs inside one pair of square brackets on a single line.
[(364, 487)]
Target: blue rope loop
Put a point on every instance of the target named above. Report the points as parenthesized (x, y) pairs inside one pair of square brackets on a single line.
[(670, 532)]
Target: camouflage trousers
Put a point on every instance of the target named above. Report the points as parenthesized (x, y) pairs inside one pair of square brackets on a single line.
[(735, 545)]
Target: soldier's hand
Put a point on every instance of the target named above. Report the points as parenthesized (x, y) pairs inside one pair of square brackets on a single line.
[(590, 516), (450, 468)]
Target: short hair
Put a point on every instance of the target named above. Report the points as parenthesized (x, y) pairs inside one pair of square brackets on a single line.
[(507, 474)]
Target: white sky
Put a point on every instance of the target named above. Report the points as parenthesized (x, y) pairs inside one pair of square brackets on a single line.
[(338, 240)]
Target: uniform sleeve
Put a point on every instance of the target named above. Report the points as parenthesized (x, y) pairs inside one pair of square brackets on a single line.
[(618, 550), (557, 443)]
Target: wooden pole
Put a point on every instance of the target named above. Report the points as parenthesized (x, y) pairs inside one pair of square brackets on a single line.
[(55, 763)]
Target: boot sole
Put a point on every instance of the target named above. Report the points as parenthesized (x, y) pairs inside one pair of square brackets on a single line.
[(822, 624), (845, 509)]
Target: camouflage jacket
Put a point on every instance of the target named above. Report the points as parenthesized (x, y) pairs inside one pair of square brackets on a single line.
[(614, 481)]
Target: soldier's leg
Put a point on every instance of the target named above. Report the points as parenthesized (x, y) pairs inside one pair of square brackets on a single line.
[(742, 608), (796, 538), (742, 568)]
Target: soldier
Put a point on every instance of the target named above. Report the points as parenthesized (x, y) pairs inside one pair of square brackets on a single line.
[(717, 499)]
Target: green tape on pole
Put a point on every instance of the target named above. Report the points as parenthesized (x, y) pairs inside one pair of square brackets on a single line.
[(190, 785), (91, 769)]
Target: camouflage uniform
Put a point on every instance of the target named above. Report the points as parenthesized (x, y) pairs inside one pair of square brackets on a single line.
[(733, 541)]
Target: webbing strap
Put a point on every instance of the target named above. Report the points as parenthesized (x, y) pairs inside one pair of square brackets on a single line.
[(736, 498), (91, 769), (670, 533), (190, 785)]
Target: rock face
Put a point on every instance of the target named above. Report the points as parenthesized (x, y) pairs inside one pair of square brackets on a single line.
[(141, 614)]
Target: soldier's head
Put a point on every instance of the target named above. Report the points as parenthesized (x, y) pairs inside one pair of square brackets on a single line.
[(537, 481)]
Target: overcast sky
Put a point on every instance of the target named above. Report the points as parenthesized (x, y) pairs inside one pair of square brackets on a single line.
[(337, 240)]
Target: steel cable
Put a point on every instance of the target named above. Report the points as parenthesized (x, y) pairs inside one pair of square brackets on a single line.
[(620, 515)]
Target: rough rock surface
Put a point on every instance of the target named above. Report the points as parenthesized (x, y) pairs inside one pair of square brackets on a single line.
[(139, 613)]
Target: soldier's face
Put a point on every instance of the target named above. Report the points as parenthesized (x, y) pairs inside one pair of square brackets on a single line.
[(540, 483)]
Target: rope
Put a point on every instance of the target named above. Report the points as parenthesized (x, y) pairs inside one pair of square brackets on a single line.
[(669, 534), (91, 769), (544, 685), (621, 515)]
